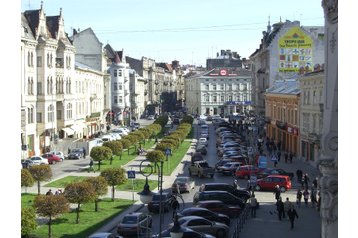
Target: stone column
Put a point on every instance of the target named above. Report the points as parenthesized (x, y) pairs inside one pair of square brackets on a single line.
[(328, 157)]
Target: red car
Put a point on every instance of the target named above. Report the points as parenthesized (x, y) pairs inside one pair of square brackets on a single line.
[(245, 171), (220, 207), (52, 159), (269, 183)]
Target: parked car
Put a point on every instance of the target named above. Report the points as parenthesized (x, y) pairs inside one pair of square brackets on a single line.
[(185, 184), (204, 134), (26, 163), (203, 141), (269, 183), (106, 138), (238, 192), (206, 213), (167, 200), (220, 207), (221, 162), (59, 154), (176, 121), (150, 117), (246, 171), (77, 153), (136, 224), (51, 158), (37, 160), (104, 235), (271, 171), (120, 131), (187, 233), (197, 156), (200, 224), (229, 168), (223, 196), (116, 136), (202, 149)]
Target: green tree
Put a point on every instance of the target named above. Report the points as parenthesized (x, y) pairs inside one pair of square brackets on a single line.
[(100, 153), (41, 173), (100, 186), (114, 177), (155, 156), (51, 206), (79, 193), (28, 221), (26, 179), (126, 143), (115, 146)]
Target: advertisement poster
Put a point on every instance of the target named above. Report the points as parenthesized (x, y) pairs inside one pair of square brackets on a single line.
[(295, 51)]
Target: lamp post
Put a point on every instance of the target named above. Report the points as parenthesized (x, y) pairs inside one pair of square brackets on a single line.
[(146, 195)]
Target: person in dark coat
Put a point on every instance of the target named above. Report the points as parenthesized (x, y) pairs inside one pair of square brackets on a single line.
[(299, 174), (277, 192), (280, 209), (292, 214), (306, 179)]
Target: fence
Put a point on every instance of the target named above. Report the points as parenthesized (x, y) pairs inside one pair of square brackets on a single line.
[(241, 221)]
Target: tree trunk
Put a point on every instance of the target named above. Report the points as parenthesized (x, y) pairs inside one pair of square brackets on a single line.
[(78, 213), (110, 160), (99, 165), (49, 227), (96, 205), (120, 156), (38, 187), (112, 193)]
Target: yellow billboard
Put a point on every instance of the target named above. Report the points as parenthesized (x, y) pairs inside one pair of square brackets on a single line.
[(295, 50)]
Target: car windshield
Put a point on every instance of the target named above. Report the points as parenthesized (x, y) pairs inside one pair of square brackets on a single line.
[(181, 180), (130, 220)]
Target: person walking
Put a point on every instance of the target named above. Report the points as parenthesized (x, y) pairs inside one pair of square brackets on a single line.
[(280, 209), (286, 157), (299, 197), (49, 192), (292, 214), (277, 192), (253, 205), (291, 157), (58, 192), (306, 195), (91, 166), (287, 205), (315, 183), (313, 197), (306, 179)]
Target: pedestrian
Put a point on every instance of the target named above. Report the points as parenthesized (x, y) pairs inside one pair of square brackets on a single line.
[(292, 214), (277, 192), (248, 186), (280, 208), (306, 195), (299, 175), (286, 157), (68, 151), (84, 152), (287, 205), (291, 157), (306, 179), (58, 192), (91, 166), (299, 197), (313, 197), (49, 192), (315, 183), (253, 205)]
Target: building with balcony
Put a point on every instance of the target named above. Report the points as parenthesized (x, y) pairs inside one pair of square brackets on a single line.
[(221, 91)]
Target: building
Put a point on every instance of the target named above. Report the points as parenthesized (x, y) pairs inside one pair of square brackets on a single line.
[(282, 114), (311, 114), (285, 48), (137, 87), (221, 91), (224, 60)]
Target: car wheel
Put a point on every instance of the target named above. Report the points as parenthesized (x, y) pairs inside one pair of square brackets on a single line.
[(282, 189), (257, 187), (220, 234)]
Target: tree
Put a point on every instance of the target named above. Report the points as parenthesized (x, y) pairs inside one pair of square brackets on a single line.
[(100, 153), (100, 186), (155, 156), (79, 193), (28, 221), (126, 143), (114, 176), (26, 179), (51, 206), (115, 146), (41, 173)]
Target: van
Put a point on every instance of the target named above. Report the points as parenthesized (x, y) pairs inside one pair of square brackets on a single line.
[(241, 193), (223, 196)]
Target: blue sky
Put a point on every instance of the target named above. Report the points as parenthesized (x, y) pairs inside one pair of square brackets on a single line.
[(185, 30)]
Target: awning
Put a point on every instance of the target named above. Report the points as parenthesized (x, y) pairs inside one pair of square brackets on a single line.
[(78, 127), (68, 130)]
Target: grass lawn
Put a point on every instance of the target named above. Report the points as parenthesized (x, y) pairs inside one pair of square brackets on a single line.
[(127, 186), (90, 221)]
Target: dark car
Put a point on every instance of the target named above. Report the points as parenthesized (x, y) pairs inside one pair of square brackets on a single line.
[(187, 233), (197, 156), (222, 162), (220, 207), (223, 196), (241, 193), (229, 168), (26, 163), (202, 149), (183, 183), (167, 200), (206, 213), (135, 224), (273, 171), (176, 121), (77, 153)]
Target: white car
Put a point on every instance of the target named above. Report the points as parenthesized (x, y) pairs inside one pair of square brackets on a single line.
[(116, 136), (120, 131), (37, 160), (106, 138), (203, 141), (59, 154)]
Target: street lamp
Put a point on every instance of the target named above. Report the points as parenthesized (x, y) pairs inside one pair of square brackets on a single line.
[(146, 195), (176, 231)]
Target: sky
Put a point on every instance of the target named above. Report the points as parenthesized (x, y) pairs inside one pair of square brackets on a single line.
[(189, 31)]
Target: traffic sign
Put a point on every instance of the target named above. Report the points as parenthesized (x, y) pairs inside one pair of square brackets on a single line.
[(131, 174), (168, 151)]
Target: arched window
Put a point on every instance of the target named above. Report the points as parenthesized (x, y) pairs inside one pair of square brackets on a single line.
[(28, 59), (50, 113), (32, 59), (30, 115)]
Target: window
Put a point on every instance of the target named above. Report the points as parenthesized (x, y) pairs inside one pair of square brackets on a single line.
[(39, 117), (39, 88), (207, 87), (115, 73), (69, 111), (230, 97), (39, 61), (214, 86), (119, 73), (50, 113), (215, 98), (115, 86), (28, 59), (120, 86), (206, 98), (222, 98), (120, 99), (115, 99), (222, 86), (30, 115), (230, 87)]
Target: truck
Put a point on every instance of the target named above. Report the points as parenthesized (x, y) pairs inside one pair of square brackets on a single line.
[(201, 169)]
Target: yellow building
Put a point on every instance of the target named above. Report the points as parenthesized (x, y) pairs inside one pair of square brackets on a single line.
[(282, 114)]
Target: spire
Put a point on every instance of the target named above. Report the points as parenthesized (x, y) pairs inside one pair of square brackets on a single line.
[(42, 2), (60, 11), (268, 26), (280, 20)]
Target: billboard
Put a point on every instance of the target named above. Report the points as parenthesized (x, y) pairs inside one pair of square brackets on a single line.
[(295, 50)]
